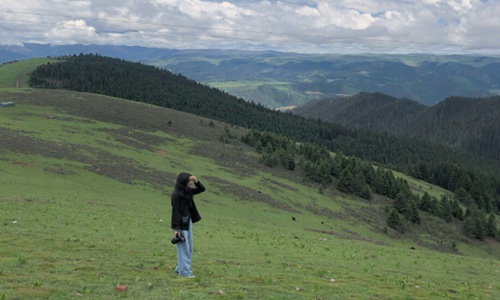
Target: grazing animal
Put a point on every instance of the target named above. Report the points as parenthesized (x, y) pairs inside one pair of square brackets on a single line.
[(293, 218)]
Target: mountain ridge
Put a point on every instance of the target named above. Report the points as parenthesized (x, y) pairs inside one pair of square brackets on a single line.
[(279, 79), (470, 124)]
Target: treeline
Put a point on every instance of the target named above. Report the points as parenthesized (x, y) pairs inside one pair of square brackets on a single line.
[(134, 81), (359, 177)]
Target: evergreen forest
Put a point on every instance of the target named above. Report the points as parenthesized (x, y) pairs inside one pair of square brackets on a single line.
[(468, 124)]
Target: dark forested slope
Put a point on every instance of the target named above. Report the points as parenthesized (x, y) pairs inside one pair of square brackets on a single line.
[(470, 124), (436, 164)]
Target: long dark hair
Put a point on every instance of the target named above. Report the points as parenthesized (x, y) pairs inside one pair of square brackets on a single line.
[(181, 185)]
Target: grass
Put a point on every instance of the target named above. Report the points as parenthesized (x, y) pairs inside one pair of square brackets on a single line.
[(274, 93), (113, 238), (249, 84), (15, 74), (85, 206), (420, 187)]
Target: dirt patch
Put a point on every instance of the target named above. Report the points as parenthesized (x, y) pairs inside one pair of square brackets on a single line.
[(22, 164), (231, 157), (247, 194), (274, 183), (348, 235), (70, 119), (323, 211), (136, 139), (59, 170)]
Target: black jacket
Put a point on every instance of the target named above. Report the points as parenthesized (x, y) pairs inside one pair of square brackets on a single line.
[(183, 206)]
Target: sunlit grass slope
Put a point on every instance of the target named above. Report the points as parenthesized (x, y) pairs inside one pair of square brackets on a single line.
[(84, 206), (16, 74)]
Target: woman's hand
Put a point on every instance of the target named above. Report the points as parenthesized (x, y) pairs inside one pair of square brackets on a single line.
[(177, 233), (193, 178)]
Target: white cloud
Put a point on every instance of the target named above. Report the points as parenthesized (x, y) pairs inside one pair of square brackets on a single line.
[(461, 6), (288, 25), (71, 32), (479, 28), (341, 17), (308, 12)]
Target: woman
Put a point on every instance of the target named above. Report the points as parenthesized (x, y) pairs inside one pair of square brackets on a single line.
[(184, 214)]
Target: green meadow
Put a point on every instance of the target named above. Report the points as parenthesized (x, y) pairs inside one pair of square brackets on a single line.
[(16, 74), (274, 93), (244, 83), (85, 206)]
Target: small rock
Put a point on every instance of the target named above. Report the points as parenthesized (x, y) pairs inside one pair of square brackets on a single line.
[(120, 288), (220, 292), (332, 280)]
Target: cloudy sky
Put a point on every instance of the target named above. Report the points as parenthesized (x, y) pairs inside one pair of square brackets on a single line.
[(334, 26)]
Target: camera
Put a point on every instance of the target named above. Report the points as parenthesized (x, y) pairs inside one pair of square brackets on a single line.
[(177, 239)]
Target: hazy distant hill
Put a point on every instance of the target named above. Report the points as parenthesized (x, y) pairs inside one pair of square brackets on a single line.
[(472, 124), (277, 79), (424, 78)]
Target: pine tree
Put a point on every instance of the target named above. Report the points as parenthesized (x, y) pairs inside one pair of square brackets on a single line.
[(491, 226), (474, 223), (394, 221), (426, 203), (288, 162), (400, 203), (411, 212)]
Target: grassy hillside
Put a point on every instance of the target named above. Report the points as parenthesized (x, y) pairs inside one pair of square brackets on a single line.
[(85, 206), (16, 74), (275, 94)]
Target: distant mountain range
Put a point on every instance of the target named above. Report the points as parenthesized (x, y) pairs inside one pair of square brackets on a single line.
[(277, 79), (471, 124)]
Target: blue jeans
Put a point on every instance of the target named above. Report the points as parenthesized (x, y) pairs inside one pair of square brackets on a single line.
[(184, 252)]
